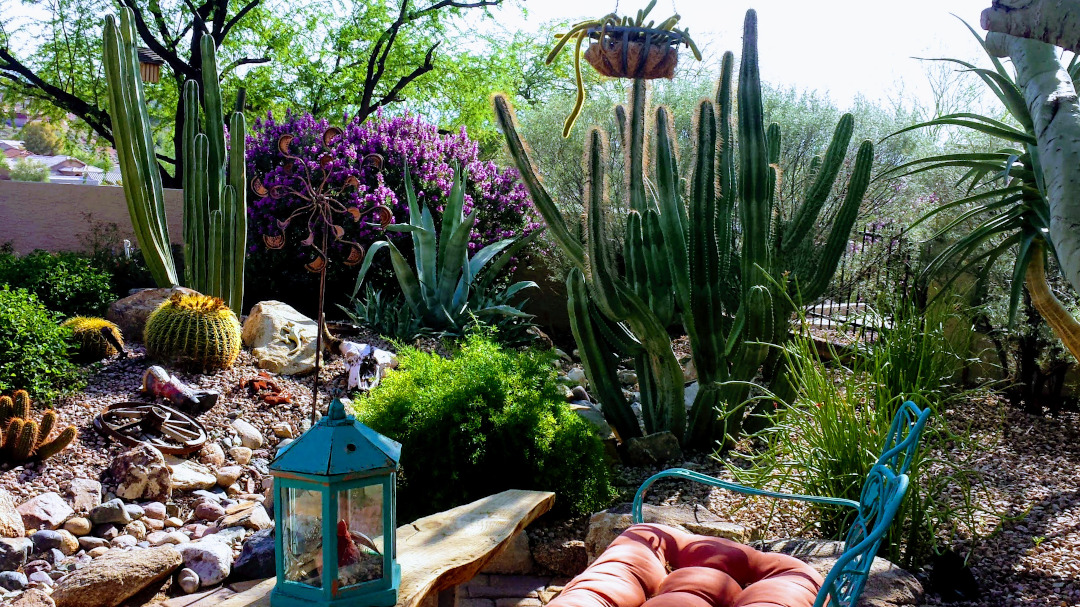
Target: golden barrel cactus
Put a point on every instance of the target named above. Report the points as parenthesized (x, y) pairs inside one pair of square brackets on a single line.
[(193, 330), (97, 338)]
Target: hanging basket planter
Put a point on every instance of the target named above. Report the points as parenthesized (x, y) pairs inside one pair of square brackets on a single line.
[(633, 52)]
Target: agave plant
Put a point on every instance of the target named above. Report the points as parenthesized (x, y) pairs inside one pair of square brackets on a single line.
[(623, 47), (445, 291), (1006, 191)]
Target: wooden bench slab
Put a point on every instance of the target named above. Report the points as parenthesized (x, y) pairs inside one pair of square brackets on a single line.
[(442, 550)]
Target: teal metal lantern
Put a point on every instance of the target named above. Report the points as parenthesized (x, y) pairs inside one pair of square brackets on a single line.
[(335, 502)]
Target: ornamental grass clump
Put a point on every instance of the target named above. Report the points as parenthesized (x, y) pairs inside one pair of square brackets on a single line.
[(485, 420)]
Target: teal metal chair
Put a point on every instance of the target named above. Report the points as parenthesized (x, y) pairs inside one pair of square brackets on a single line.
[(882, 492)]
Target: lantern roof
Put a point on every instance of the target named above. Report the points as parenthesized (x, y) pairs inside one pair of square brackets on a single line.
[(338, 445)]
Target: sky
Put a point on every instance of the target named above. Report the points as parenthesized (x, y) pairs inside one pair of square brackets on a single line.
[(843, 47)]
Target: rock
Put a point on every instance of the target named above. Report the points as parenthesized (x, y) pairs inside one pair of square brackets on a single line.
[(114, 577), (242, 455), (188, 475), (606, 525), (46, 511), (11, 523), (69, 544), (160, 538), (272, 331), (154, 510), (85, 494), (256, 560), (690, 394), (188, 580), (209, 511), (45, 540), (627, 378), (53, 556), (136, 529), (135, 511), (123, 541), (112, 511), (14, 552), (40, 578), (268, 494), (515, 559), (96, 552), (283, 430), (211, 560), (653, 449), (142, 474), (285, 442), (566, 558), (13, 580), (249, 436), (34, 598), (212, 455), (577, 393), (39, 565), (131, 312), (89, 542), (252, 516), (228, 475), (78, 526), (107, 531), (886, 586), (173, 521), (577, 375), (153, 524)]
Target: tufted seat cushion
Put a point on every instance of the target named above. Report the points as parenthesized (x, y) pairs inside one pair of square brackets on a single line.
[(659, 566)]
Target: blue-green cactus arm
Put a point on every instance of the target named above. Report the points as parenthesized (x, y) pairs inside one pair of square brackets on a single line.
[(825, 172), (601, 272), (635, 151), (698, 477), (753, 167)]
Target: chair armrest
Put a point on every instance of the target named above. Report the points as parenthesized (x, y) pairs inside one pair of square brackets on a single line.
[(715, 482)]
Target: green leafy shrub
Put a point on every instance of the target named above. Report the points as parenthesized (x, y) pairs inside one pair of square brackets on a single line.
[(33, 348), (486, 420), (66, 283), (26, 169), (42, 139)]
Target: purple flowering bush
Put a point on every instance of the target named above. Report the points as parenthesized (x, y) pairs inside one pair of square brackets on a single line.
[(503, 206)]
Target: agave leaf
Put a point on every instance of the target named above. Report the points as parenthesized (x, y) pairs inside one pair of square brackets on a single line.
[(504, 310), (372, 250)]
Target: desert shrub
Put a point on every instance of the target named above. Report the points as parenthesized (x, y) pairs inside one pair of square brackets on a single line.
[(66, 283), (33, 348), (42, 139), (26, 169), (503, 207), (483, 421)]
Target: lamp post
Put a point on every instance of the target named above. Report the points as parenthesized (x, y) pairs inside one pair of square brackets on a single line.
[(335, 509)]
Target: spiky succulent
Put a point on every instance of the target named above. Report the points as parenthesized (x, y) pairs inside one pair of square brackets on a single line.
[(23, 438), (97, 338), (194, 330)]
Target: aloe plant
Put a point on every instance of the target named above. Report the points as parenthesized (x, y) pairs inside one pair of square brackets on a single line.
[(445, 289), (718, 256)]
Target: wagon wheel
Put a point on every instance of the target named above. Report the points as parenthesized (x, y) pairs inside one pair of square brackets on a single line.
[(164, 428)]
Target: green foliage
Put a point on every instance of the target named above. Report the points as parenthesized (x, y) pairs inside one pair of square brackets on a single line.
[(28, 169), (42, 139), (826, 441), (387, 316), (22, 438), (485, 420), (66, 283), (193, 330), (33, 348)]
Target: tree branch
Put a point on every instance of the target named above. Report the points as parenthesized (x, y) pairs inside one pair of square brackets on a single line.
[(169, 55), (237, 17), (16, 71), (452, 4), (243, 61), (404, 81)]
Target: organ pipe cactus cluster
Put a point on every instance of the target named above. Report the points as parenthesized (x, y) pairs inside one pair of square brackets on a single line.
[(716, 255), (22, 438), (135, 151), (215, 189)]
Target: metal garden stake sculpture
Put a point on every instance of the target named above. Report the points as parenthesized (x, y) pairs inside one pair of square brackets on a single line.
[(323, 203)]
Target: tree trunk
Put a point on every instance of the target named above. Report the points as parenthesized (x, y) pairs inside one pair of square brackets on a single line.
[(1055, 110), (1049, 307), (1051, 21)]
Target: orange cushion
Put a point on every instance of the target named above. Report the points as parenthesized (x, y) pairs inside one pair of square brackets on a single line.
[(659, 566)]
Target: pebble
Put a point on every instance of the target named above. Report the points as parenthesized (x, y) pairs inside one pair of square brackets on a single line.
[(250, 437), (228, 475), (212, 455), (89, 542), (154, 511), (188, 580), (112, 511), (96, 552), (13, 580), (283, 430), (41, 578), (174, 521), (242, 455), (134, 511), (45, 540), (69, 543), (123, 541), (209, 511), (136, 529), (78, 526), (38, 565)]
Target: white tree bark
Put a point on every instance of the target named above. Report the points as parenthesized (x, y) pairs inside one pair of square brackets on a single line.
[(1055, 110), (1052, 21)]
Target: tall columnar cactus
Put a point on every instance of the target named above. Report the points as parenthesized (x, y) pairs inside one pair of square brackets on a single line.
[(717, 256), (215, 189), (22, 438), (135, 150)]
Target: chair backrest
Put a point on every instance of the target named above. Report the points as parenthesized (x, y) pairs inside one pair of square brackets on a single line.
[(902, 441), (878, 504)]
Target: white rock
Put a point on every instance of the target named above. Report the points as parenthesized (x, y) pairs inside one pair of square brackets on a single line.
[(242, 455), (281, 339), (188, 580), (249, 436), (577, 375), (227, 476), (211, 560), (188, 475)]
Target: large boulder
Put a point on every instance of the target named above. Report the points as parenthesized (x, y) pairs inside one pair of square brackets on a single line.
[(11, 523), (142, 474), (116, 576), (281, 339), (886, 586), (46, 511), (211, 559), (131, 312)]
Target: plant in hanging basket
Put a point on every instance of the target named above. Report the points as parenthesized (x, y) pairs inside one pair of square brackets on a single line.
[(624, 47)]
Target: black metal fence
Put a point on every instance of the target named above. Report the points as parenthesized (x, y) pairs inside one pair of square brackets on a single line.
[(875, 270)]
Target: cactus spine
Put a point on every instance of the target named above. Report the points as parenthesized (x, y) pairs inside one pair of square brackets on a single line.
[(193, 329), (134, 142), (22, 438), (215, 199), (685, 257), (89, 332)]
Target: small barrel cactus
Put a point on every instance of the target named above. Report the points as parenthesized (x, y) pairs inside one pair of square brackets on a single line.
[(195, 330), (97, 338), (24, 439)]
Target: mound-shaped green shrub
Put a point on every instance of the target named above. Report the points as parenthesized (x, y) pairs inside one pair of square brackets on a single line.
[(66, 283), (481, 422), (33, 348)]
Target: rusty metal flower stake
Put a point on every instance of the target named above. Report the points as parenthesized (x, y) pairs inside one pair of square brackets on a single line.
[(322, 205)]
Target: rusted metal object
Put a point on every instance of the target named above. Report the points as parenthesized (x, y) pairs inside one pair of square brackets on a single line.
[(164, 428)]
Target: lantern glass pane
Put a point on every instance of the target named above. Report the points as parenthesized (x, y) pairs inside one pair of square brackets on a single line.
[(303, 540), (360, 535)]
